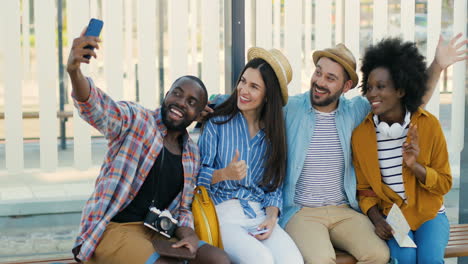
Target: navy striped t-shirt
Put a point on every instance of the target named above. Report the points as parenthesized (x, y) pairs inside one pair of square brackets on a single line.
[(321, 179)]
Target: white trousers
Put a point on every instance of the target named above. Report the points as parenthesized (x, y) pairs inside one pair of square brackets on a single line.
[(243, 248)]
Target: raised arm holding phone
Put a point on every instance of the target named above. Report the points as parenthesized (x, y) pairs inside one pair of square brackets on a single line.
[(144, 191)]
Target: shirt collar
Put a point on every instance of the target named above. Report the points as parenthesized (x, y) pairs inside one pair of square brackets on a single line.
[(415, 115), (260, 134)]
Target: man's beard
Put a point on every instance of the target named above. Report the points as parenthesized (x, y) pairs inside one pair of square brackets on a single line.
[(327, 101), (169, 124)]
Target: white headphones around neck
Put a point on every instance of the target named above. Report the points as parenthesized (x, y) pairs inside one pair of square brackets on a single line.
[(395, 130)]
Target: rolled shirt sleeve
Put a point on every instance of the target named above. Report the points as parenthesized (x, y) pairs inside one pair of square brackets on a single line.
[(103, 113), (207, 143), (438, 174), (275, 199)]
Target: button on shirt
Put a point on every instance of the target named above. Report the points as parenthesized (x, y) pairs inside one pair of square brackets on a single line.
[(218, 145), (135, 137)]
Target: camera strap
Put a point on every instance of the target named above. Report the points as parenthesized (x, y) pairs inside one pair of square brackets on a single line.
[(154, 179)]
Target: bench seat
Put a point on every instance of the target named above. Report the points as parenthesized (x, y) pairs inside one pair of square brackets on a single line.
[(457, 247)]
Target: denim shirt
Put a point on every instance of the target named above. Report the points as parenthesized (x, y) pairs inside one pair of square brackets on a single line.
[(300, 124)]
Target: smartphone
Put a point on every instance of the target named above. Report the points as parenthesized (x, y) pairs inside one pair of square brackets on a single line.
[(94, 29), (254, 231)]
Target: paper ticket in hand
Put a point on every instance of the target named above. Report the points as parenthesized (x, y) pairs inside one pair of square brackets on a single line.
[(400, 226)]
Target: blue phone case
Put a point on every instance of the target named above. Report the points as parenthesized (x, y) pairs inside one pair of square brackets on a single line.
[(94, 29)]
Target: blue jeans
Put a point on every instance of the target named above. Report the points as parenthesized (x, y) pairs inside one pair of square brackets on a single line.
[(431, 238)]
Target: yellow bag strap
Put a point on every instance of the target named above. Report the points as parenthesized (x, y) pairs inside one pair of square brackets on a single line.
[(205, 198)]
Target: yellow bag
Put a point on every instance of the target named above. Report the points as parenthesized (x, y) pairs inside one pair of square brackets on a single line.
[(205, 218)]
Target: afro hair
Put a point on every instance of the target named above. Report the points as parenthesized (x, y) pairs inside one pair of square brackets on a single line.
[(406, 65)]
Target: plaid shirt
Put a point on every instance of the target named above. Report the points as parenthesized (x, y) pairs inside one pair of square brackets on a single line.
[(135, 139)]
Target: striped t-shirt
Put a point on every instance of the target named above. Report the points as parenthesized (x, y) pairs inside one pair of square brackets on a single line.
[(321, 179), (391, 160)]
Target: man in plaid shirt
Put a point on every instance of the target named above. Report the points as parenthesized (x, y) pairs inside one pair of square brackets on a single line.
[(151, 161)]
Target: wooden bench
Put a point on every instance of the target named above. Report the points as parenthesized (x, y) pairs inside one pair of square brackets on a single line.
[(457, 247)]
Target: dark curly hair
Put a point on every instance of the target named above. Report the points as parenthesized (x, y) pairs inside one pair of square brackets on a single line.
[(406, 65)]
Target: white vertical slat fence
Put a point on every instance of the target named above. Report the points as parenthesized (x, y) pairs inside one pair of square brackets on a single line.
[(113, 47), (178, 38), (193, 5), (13, 89), (78, 17), (95, 12), (264, 25), (249, 23), (26, 43), (277, 23), (323, 24), (210, 45), (434, 15), (293, 43), (339, 19), (147, 73), (459, 77), (129, 65), (407, 11), (45, 19), (380, 20), (308, 63), (351, 28)]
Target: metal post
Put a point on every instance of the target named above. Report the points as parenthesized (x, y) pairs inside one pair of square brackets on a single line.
[(61, 73), (137, 84), (463, 192), (238, 39)]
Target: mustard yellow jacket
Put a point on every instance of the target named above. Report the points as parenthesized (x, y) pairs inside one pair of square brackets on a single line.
[(423, 200)]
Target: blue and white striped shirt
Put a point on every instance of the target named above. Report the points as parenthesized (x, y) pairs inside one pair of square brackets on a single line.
[(218, 144), (321, 179), (390, 161)]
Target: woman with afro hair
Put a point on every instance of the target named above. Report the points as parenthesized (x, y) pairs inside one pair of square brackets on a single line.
[(400, 154)]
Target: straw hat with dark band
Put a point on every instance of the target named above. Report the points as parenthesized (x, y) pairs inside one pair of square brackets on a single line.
[(341, 55), (280, 65)]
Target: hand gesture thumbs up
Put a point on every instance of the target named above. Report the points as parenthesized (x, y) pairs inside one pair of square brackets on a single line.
[(237, 169)]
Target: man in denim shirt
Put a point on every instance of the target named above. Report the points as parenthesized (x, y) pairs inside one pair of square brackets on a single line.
[(320, 206)]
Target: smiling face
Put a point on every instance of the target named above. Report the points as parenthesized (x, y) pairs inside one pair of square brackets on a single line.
[(383, 95), (328, 82), (182, 104), (251, 91)]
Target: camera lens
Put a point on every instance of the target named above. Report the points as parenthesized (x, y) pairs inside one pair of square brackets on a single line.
[(165, 223)]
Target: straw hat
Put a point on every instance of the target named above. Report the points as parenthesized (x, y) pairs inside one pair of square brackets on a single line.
[(280, 65), (341, 55)]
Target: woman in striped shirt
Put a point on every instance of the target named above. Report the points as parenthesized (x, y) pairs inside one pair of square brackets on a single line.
[(400, 154), (243, 152)]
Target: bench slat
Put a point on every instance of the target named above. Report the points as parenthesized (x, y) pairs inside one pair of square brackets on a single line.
[(46, 261), (456, 251)]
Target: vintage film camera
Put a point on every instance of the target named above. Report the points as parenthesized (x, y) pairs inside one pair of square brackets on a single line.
[(161, 222)]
